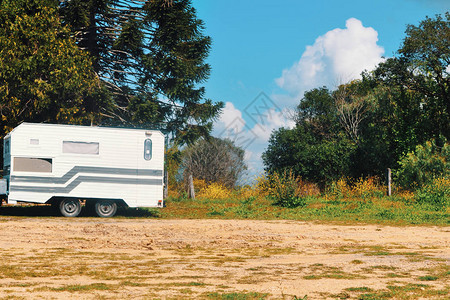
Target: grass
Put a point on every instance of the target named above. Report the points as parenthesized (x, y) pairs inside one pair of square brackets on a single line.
[(398, 291), (359, 289), (237, 296), (320, 271), (83, 288), (408, 291), (360, 201), (428, 278), (377, 210)]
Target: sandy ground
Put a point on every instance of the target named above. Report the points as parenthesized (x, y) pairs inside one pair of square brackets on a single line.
[(93, 258)]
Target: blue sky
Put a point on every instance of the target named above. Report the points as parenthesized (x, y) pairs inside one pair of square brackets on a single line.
[(282, 48)]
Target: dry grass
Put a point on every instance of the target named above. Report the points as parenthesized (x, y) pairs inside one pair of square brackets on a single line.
[(173, 259)]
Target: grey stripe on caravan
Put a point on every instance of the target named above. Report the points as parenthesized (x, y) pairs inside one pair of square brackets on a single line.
[(79, 169), (80, 179)]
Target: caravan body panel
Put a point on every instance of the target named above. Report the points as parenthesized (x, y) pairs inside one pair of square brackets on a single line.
[(47, 160)]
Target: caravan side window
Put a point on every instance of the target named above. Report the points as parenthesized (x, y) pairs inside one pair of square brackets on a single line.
[(148, 149), (33, 164), (80, 147)]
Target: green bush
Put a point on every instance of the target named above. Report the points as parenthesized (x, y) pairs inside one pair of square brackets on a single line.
[(286, 190), (436, 194), (421, 167)]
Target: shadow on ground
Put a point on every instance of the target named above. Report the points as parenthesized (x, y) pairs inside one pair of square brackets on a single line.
[(48, 211)]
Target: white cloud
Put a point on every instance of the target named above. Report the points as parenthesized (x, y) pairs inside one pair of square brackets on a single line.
[(340, 54), (228, 118), (254, 139), (273, 120)]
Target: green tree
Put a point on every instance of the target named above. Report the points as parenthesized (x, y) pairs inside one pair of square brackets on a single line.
[(427, 163), (317, 149), (214, 160), (152, 57), (426, 52), (317, 109), (410, 97), (44, 76), (393, 124)]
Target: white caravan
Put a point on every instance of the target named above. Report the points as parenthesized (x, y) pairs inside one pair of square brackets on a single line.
[(103, 167)]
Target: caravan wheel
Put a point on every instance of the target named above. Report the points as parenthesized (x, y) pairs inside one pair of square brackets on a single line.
[(70, 207), (105, 208)]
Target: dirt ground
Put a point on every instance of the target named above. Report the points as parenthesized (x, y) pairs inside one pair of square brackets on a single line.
[(118, 258)]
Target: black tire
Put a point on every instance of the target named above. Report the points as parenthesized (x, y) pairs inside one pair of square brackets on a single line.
[(70, 207), (105, 208)]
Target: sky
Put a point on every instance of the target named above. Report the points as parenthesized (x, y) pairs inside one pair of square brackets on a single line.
[(265, 54)]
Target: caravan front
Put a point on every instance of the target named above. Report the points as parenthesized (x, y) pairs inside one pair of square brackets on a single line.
[(61, 164)]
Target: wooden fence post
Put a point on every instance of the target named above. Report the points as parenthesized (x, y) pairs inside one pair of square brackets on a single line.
[(191, 188), (389, 180)]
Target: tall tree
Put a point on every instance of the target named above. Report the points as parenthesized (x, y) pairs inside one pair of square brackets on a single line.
[(214, 160), (352, 102), (44, 76), (317, 149), (152, 55), (426, 52)]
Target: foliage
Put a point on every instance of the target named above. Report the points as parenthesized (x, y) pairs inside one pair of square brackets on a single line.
[(151, 55), (286, 190), (214, 160), (172, 161), (361, 189), (435, 194), (339, 189), (426, 51), (318, 111), (314, 159), (392, 127), (44, 76), (316, 149), (352, 102), (421, 167), (213, 190), (262, 184), (369, 187)]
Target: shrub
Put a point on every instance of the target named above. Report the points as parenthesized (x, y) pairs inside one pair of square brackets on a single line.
[(359, 189), (286, 189), (369, 187), (199, 184), (340, 189), (435, 194), (247, 191), (214, 191), (263, 185), (421, 167)]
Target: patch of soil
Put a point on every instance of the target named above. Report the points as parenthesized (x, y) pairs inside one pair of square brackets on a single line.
[(117, 258)]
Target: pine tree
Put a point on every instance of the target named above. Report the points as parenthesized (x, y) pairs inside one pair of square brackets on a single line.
[(151, 56)]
